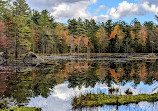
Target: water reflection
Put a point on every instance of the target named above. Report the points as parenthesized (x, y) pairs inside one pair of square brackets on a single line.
[(53, 86), (142, 106)]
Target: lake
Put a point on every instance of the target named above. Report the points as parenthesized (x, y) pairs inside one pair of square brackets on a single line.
[(52, 87)]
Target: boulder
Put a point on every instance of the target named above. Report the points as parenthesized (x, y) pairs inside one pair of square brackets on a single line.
[(2, 58), (32, 59)]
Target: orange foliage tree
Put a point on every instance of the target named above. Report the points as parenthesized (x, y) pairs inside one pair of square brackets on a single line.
[(119, 35), (142, 35)]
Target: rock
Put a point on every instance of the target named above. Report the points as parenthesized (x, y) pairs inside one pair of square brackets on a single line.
[(32, 59), (151, 55), (2, 58)]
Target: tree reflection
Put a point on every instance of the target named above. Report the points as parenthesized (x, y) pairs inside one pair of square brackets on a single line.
[(118, 73), (84, 78), (22, 83)]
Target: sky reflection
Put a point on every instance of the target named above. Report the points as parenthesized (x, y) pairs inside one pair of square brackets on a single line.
[(61, 96)]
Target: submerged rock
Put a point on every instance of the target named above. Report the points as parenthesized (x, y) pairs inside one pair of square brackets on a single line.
[(32, 59)]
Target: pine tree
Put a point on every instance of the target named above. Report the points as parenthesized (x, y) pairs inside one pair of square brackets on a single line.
[(21, 26), (46, 31), (92, 28), (81, 33), (72, 26)]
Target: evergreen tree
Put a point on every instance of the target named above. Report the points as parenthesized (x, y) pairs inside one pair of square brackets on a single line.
[(72, 26), (21, 26), (92, 28), (46, 31)]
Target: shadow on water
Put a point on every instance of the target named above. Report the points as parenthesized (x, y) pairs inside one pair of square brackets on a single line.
[(20, 84)]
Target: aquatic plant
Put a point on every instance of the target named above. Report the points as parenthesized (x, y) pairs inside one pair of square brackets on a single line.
[(91, 100), (128, 92), (22, 109)]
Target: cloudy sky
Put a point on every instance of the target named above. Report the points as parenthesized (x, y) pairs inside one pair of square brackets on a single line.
[(100, 10)]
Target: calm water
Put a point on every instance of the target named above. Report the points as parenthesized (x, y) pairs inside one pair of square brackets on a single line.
[(52, 87)]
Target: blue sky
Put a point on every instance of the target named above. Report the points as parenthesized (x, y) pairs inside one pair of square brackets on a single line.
[(100, 10)]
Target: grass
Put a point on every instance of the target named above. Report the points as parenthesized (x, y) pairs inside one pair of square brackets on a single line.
[(91, 100), (22, 109)]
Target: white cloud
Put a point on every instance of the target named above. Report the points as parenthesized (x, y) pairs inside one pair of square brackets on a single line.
[(65, 9), (126, 9), (78, 9), (68, 9), (150, 1), (101, 7), (47, 4), (101, 18), (150, 7), (75, 10)]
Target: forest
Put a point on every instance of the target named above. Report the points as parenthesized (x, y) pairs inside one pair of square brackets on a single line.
[(23, 29)]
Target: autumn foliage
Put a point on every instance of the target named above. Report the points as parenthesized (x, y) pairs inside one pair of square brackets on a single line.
[(38, 32), (3, 38)]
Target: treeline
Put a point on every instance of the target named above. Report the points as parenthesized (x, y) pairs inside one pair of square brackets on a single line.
[(23, 30)]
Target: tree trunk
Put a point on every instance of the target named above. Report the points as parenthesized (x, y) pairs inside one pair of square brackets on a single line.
[(16, 48)]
